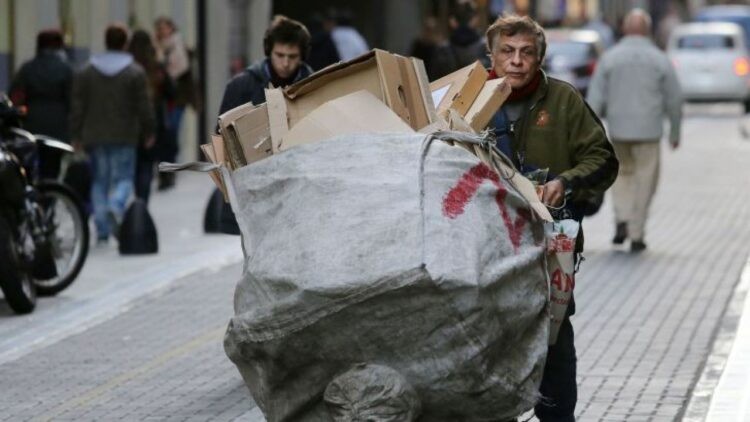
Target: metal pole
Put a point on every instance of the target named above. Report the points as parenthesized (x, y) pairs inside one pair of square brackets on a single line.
[(202, 72)]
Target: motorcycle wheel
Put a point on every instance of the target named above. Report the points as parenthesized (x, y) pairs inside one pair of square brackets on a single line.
[(68, 236), (18, 287)]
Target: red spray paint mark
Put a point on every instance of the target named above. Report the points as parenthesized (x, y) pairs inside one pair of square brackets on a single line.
[(460, 195)]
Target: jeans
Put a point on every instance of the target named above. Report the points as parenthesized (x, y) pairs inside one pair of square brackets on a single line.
[(114, 169), (171, 145)]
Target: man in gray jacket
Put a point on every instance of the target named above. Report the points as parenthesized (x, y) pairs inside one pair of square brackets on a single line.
[(110, 113), (634, 88)]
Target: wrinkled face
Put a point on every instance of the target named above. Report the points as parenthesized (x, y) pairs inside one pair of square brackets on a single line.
[(515, 57), (285, 59)]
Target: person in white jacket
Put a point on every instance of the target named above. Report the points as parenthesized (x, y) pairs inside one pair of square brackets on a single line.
[(634, 87)]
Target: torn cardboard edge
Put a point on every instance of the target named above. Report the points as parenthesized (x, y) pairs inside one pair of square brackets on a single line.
[(246, 135), (400, 82), (458, 90)]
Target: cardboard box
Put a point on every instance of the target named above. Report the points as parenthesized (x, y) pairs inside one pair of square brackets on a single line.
[(343, 116), (459, 89), (246, 134), (209, 150), (395, 80), (488, 102)]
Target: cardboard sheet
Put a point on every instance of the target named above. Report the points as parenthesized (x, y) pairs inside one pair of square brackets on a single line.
[(463, 86), (490, 98), (343, 116), (393, 79), (254, 134)]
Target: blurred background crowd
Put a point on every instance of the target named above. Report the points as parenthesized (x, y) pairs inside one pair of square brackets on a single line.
[(220, 38)]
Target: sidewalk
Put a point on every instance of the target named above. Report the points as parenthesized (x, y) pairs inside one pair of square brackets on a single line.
[(645, 323), (110, 282)]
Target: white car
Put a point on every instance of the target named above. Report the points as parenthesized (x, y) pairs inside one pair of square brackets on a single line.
[(572, 55), (711, 61)]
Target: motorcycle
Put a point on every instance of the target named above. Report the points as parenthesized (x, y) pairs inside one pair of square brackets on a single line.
[(44, 233)]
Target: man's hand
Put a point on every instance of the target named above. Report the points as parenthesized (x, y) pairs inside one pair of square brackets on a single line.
[(554, 193), (674, 145), (77, 145)]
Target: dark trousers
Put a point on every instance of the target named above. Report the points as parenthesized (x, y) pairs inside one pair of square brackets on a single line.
[(144, 175), (559, 390)]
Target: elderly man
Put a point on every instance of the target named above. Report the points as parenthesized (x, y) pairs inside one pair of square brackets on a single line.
[(634, 87), (545, 124)]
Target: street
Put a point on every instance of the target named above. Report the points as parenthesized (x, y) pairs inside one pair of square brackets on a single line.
[(140, 338)]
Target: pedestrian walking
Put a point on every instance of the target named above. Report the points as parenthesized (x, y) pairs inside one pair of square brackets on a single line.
[(466, 42), (349, 42), (545, 124), (176, 60), (160, 90), (323, 50), (634, 87), (433, 49), (43, 84), (110, 113)]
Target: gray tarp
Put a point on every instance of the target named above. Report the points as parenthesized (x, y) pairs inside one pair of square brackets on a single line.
[(397, 250)]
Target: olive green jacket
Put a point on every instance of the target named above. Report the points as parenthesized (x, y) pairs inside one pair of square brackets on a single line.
[(557, 130)]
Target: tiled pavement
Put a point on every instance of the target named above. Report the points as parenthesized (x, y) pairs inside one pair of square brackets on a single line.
[(645, 323), (162, 360)]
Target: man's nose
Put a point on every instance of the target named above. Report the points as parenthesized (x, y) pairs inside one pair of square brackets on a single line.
[(516, 59)]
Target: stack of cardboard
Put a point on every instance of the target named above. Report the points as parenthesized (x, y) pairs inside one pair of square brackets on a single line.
[(466, 93), (376, 92)]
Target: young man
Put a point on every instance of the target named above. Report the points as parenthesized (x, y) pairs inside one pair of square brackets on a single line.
[(286, 45), (110, 112), (545, 124), (635, 87)]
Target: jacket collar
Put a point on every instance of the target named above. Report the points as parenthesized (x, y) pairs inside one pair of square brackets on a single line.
[(635, 40), (261, 70)]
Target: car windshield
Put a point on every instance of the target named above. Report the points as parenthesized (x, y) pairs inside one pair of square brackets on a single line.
[(705, 42), (571, 49)]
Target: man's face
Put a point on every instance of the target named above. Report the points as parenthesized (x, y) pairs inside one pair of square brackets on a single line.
[(285, 59), (515, 57)]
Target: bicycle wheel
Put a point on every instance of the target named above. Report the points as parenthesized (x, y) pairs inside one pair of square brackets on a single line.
[(17, 286), (67, 235)]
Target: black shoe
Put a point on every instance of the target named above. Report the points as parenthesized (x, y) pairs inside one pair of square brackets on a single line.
[(637, 246), (621, 233)]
